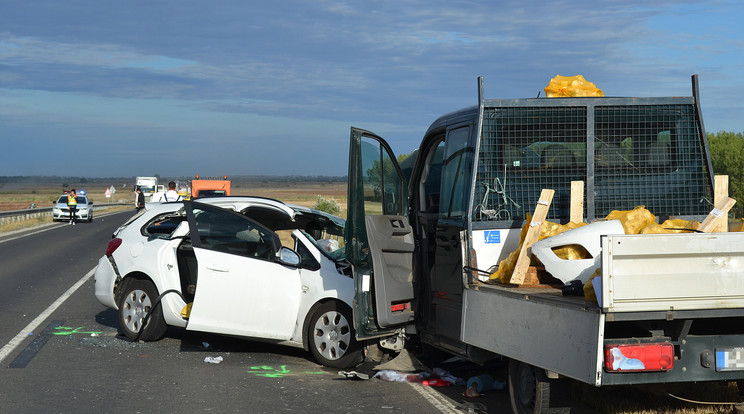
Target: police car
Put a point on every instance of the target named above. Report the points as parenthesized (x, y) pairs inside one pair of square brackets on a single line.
[(60, 211)]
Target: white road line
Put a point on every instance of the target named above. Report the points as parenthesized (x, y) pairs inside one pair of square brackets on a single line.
[(23, 334), (439, 401)]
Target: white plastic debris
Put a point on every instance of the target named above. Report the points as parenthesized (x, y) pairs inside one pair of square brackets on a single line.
[(213, 360), (589, 237)]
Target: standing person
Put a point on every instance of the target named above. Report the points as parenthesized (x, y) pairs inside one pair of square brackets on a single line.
[(140, 199), (171, 194), (72, 205)]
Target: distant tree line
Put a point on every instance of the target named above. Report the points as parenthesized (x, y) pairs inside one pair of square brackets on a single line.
[(727, 155)]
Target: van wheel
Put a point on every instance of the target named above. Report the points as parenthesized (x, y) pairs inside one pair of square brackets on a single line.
[(331, 337), (134, 304), (531, 392)]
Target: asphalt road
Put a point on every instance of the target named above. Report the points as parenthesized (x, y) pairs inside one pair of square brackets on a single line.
[(61, 351)]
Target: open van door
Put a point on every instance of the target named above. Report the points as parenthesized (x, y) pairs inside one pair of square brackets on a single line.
[(379, 239)]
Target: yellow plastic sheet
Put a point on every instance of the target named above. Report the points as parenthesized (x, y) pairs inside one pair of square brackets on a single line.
[(633, 220), (566, 86)]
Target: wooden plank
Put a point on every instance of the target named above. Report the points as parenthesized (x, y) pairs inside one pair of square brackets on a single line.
[(721, 190), (577, 202), (720, 212), (533, 233)]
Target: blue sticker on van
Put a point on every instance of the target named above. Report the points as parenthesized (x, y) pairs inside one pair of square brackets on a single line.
[(493, 236)]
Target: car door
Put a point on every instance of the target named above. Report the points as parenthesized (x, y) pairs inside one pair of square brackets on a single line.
[(379, 239), (241, 289)]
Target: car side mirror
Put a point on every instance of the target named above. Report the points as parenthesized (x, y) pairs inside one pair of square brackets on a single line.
[(289, 257)]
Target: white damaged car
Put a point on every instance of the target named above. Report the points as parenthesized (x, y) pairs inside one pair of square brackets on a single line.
[(242, 266)]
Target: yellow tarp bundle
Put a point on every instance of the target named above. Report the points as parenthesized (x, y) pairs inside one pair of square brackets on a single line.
[(567, 86), (636, 221)]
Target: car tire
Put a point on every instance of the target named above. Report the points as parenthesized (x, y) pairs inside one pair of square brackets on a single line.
[(331, 337), (139, 298)]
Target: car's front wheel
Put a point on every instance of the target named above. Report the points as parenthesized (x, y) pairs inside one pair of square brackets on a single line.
[(137, 300), (331, 336)]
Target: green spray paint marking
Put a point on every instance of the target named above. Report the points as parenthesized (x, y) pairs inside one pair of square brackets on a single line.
[(64, 330), (270, 372)]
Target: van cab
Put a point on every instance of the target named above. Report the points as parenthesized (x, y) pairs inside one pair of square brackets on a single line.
[(421, 242)]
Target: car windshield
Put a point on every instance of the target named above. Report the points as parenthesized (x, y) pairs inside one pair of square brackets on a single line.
[(80, 199), (331, 246), (212, 193)]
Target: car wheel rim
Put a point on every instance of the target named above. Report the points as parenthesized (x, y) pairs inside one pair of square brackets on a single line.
[(332, 335), (134, 309)]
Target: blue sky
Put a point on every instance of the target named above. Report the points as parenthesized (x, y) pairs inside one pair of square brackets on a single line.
[(176, 88)]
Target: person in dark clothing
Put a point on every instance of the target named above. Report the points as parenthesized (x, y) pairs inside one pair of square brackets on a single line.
[(140, 199)]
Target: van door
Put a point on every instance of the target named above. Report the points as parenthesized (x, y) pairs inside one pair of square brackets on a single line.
[(380, 241)]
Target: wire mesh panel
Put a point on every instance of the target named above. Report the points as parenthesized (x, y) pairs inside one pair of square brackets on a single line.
[(641, 154), (526, 149), (649, 155)]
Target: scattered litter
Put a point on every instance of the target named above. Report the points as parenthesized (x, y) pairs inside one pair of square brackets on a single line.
[(470, 407), (397, 376), (353, 375), (94, 334), (447, 376), (438, 382), (213, 360), (482, 384), (205, 344)]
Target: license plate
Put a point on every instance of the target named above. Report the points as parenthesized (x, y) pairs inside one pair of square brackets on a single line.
[(730, 359)]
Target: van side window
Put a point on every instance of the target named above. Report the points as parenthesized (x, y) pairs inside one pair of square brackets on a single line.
[(382, 180), (457, 171)]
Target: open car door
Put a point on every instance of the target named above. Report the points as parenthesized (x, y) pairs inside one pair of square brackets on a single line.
[(242, 289), (379, 239)]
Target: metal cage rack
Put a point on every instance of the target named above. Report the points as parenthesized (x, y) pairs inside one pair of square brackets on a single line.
[(628, 151)]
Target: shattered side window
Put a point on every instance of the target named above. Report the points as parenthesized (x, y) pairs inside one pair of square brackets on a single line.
[(163, 226)]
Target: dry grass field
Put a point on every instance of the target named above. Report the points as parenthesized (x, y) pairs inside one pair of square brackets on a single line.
[(21, 194)]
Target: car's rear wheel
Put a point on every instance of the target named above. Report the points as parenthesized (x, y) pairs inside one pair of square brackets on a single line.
[(137, 300), (331, 336)]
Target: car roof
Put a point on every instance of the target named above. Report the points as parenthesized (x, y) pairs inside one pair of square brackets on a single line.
[(242, 203), (299, 216), (270, 212)]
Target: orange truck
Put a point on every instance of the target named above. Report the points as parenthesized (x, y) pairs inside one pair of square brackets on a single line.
[(210, 186)]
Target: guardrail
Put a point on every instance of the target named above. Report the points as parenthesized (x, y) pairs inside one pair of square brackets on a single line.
[(15, 216)]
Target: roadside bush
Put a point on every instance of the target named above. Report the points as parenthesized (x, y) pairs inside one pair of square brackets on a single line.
[(329, 205)]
